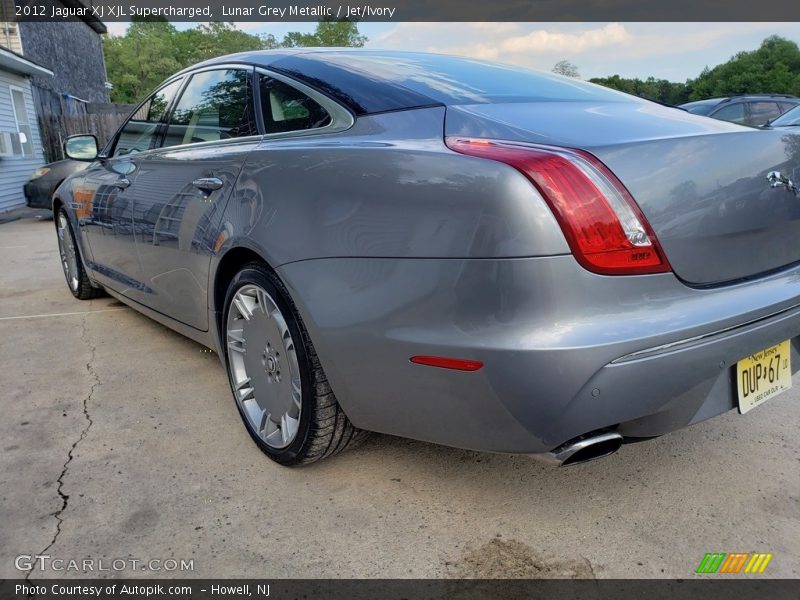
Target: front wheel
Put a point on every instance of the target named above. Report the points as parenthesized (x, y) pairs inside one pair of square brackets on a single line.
[(278, 384), (77, 279)]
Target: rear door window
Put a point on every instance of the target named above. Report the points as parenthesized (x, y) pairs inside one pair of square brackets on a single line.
[(215, 105), (761, 112)]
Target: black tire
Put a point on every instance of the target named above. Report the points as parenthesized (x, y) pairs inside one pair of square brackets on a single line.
[(83, 290), (324, 429)]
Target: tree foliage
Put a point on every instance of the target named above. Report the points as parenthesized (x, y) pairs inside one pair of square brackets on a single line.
[(651, 88), (774, 68), (566, 68), (153, 49), (328, 34), (139, 60)]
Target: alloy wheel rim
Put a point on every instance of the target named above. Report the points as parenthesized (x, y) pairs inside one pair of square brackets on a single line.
[(66, 248), (264, 370)]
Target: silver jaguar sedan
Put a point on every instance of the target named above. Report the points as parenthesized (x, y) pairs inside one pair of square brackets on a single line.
[(446, 249)]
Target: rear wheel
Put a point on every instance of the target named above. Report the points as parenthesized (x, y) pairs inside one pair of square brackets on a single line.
[(77, 279), (278, 384)]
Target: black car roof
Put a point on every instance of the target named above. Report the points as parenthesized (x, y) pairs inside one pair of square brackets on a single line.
[(265, 58), (374, 81), (322, 69)]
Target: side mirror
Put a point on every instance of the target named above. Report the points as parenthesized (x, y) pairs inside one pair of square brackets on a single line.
[(81, 147)]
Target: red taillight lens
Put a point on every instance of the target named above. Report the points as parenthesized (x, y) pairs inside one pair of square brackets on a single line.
[(604, 227), (443, 362)]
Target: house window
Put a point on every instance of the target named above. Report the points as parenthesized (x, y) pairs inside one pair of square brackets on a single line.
[(22, 142), (9, 36)]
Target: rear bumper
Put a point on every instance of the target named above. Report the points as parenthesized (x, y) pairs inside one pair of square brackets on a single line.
[(565, 352), (680, 384)]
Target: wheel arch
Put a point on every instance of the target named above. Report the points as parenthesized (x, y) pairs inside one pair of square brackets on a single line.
[(228, 264), (58, 203)]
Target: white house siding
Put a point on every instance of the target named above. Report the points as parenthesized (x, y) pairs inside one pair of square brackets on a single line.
[(14, 171)]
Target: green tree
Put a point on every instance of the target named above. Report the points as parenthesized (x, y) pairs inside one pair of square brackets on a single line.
[(214, 39), (566, 68), (651, 88), (773, 68), (153, 49), (269, 41), (139, 60), (328, 33)]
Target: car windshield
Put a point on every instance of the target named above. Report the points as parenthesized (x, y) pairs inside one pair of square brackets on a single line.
[(452, 80), (790, 118)]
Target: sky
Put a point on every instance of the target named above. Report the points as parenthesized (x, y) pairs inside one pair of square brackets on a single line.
[(673, 51)]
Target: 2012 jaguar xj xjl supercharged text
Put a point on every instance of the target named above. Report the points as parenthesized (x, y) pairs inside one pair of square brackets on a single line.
[(445, 249)]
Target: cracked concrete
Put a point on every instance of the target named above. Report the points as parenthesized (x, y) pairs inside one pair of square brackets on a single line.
[(120, 441), (60, 481)]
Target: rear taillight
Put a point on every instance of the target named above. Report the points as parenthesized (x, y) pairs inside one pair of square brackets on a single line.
[(604, 227)]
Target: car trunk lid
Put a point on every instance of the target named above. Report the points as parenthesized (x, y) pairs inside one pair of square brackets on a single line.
[(702, 184)]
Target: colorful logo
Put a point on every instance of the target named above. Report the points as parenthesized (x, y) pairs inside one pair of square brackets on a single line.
[(734, 562)]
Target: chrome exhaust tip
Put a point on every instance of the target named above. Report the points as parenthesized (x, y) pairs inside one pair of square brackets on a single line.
[(584, 449)]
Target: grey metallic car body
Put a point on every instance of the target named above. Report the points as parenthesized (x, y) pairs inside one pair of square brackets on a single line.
[(392, 245)]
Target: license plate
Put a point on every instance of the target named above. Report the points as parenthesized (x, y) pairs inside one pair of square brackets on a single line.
[(763, 375)]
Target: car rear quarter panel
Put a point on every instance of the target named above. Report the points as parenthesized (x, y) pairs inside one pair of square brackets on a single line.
[(388, 187)]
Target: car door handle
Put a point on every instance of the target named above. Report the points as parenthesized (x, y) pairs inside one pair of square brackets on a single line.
[(207, 184), (122, 183)]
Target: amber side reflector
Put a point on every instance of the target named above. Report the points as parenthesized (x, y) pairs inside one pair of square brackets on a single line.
[(459, 364)]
